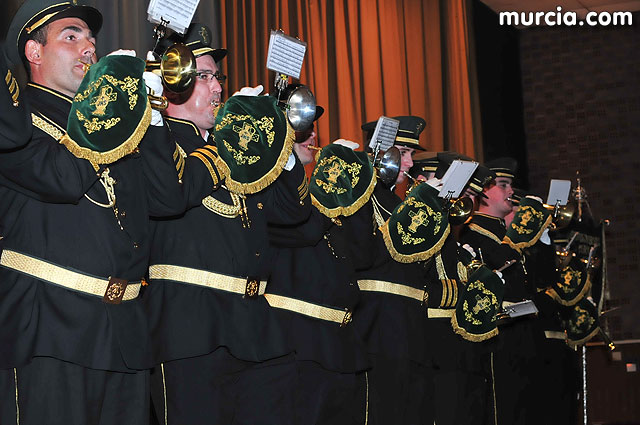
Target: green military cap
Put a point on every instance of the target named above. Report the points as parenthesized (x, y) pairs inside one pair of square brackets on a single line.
[(198, 39), (478, 305), (342, 181), (35, 14), (110, 112), (528, 224), (480, 178), (254, 140), (424, 162), (583, 323), (408, 132), (417, 228), (503, 167)]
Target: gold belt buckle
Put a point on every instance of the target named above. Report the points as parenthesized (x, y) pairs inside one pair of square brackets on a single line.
[(348, 316), (115, 291), (253, 287)]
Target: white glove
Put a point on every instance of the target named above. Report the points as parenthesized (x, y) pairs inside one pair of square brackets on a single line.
[(434, 182), (545, 239), (470, 249), (249, 91), (500, 276), (123, 52), (347, 144), (537, 198), (154, 87), (290, 162)]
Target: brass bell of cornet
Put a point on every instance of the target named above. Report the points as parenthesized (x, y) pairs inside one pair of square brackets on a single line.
[(562, 215), (460, 210), (387, 165), (177, 67)]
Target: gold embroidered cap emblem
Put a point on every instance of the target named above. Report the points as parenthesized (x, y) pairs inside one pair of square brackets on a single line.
[(204, 34), (101, 101), (334, 172), (115, 291), (247, 133), (482, 303), (420, 218)]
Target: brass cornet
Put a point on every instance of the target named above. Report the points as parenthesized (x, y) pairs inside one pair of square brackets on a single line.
[(177, 67), (562, 215)]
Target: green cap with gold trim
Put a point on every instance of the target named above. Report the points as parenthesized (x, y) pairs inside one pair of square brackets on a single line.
[(110, 112), (573, 284), (417, 228), (529, 222), (503, 167), (254, 139), (424, 163), (478, 306), (408, 131), (583, 323), (342, 181), (198, 38), (35, 14)]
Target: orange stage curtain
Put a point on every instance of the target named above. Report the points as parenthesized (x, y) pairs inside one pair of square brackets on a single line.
[(364, 59)]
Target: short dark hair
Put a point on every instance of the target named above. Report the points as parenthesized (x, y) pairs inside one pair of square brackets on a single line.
[(40, 37)]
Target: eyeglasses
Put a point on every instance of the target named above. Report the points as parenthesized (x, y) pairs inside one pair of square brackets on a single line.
[(208, 76)]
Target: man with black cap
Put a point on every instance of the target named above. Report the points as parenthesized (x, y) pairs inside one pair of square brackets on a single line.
[(510, 393), (407, 141), (75, 222), (222, 352)]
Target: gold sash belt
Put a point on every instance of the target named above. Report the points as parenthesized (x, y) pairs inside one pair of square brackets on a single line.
[(69, 279), (343, 317), (440, 313), (393, 288), (244, 286), (555, 335)]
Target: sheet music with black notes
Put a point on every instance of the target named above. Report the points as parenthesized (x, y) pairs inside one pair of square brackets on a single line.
[(285, 54), (178, 13)]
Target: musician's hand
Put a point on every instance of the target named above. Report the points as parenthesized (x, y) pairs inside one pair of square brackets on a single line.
[(123, 52), (154, 87), (500, 276), (250, 91), (535, 198), (347, 144), (470, 249), (545, 239), (434, 182)]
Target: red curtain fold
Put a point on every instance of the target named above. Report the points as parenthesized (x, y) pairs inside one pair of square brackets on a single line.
[(364, 59)]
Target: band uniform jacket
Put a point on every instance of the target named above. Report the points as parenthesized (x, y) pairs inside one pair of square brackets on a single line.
[(311, 270), (49, 211), (390, 325), (15, 123), (217, 236)]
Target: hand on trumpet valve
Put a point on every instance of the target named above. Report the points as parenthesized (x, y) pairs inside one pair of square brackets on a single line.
[(249, 91)]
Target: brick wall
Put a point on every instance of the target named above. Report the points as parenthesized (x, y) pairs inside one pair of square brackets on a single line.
[(581, 94)]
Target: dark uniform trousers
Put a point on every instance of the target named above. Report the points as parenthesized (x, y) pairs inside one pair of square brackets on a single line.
[(512, 357), (457, 382), (391, 326), (221, 357), (330, 358), (70, 357)]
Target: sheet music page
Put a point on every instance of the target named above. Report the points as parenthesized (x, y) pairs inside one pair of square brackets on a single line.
[(179, 13), (559, 192), (285, 54), (385, 133), (456, 178)]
